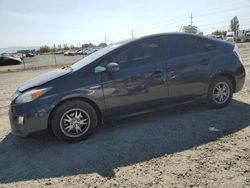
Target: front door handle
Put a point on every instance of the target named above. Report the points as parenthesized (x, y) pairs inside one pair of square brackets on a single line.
[(171, 74), (205, 61)]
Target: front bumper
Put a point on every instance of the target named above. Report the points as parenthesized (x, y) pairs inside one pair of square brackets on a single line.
[(35, 119)]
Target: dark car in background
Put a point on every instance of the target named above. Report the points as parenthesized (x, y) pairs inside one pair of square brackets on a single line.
[(9, 60), (29, 55), (126, 78)]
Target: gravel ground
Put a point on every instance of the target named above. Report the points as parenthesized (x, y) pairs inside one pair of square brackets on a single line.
[(188, 146)]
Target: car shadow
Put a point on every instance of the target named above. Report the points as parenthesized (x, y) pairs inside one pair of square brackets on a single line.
[(123, 143)]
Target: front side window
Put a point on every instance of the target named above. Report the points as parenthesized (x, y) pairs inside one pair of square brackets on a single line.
[(120, 57), (147, 51), (137, 54)]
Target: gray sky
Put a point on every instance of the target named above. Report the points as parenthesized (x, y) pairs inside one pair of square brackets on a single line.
[(40, 22)]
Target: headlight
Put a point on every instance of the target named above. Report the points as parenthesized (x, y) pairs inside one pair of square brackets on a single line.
[(31, 95)]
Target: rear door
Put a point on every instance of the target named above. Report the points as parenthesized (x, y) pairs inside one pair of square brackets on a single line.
[(140, 83), (188, 67)]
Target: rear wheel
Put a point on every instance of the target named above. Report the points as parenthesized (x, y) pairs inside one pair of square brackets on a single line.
[(220, 93), (74, 121)]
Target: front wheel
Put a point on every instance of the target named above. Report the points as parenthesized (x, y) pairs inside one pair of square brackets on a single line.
[(220, 93), (74, 121)]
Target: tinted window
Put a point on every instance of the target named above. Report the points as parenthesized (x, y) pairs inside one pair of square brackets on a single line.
[(139, 53), (208, 44), (120, 57), (179, 46), (94, 56), (147, 51)]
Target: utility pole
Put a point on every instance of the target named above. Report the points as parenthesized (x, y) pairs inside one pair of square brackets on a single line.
[(132, 33), (191, 21), (105, 39), (55, 54), (24, 66), (180, 28)]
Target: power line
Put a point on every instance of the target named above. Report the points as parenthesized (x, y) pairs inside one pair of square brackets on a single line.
[(175, 23), (204, 23), (170, 23), (200, 26), (176, 27), (216, 23), (222, 11), (243, 20), (169, 29), (162, 24), (177, 19), (202, 18), (165, 25), (222, 7)]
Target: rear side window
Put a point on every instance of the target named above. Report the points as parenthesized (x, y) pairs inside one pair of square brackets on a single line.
[(180, 46), (208, 45)]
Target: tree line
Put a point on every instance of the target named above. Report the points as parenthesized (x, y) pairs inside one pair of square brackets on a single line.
[(65, 47)]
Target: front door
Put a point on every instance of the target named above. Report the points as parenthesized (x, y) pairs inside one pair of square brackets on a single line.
[(140, 84)]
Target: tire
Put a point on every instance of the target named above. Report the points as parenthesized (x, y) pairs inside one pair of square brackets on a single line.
[(214, 99), (74, 120)]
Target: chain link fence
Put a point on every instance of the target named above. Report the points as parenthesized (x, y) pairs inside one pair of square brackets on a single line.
[(40, 61)]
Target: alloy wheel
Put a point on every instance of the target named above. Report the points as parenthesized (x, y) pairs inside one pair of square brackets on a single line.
[(221, 92), (75, 122)]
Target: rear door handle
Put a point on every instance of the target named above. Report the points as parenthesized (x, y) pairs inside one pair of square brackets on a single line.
[(171, 74), (205, 61)]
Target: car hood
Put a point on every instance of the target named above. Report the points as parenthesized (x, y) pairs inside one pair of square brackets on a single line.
[(44, 78)]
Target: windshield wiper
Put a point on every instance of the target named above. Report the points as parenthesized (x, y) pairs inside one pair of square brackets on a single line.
[(67, 67)]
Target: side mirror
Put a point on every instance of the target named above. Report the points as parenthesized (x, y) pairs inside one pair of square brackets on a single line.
[(112, 67)]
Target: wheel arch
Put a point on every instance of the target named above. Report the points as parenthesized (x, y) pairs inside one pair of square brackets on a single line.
[(89, 101), (228, 76)]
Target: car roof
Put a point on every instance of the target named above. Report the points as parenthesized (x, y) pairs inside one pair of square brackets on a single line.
[(201, 37), (150, 36), (177, 34)]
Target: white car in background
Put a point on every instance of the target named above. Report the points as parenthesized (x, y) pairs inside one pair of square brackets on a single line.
[(230, 37)]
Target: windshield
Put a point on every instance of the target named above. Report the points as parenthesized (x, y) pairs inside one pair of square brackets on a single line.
[(96, 55)]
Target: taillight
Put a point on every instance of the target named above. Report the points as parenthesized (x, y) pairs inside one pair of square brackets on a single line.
[(237, 52)]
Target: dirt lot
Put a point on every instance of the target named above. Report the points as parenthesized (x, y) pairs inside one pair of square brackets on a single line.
[(188, 146)]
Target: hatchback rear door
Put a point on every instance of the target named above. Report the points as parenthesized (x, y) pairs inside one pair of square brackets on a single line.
[(189, 66)]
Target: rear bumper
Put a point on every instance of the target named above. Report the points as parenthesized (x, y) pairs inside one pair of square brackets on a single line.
[(34, 120), (240, 76)]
